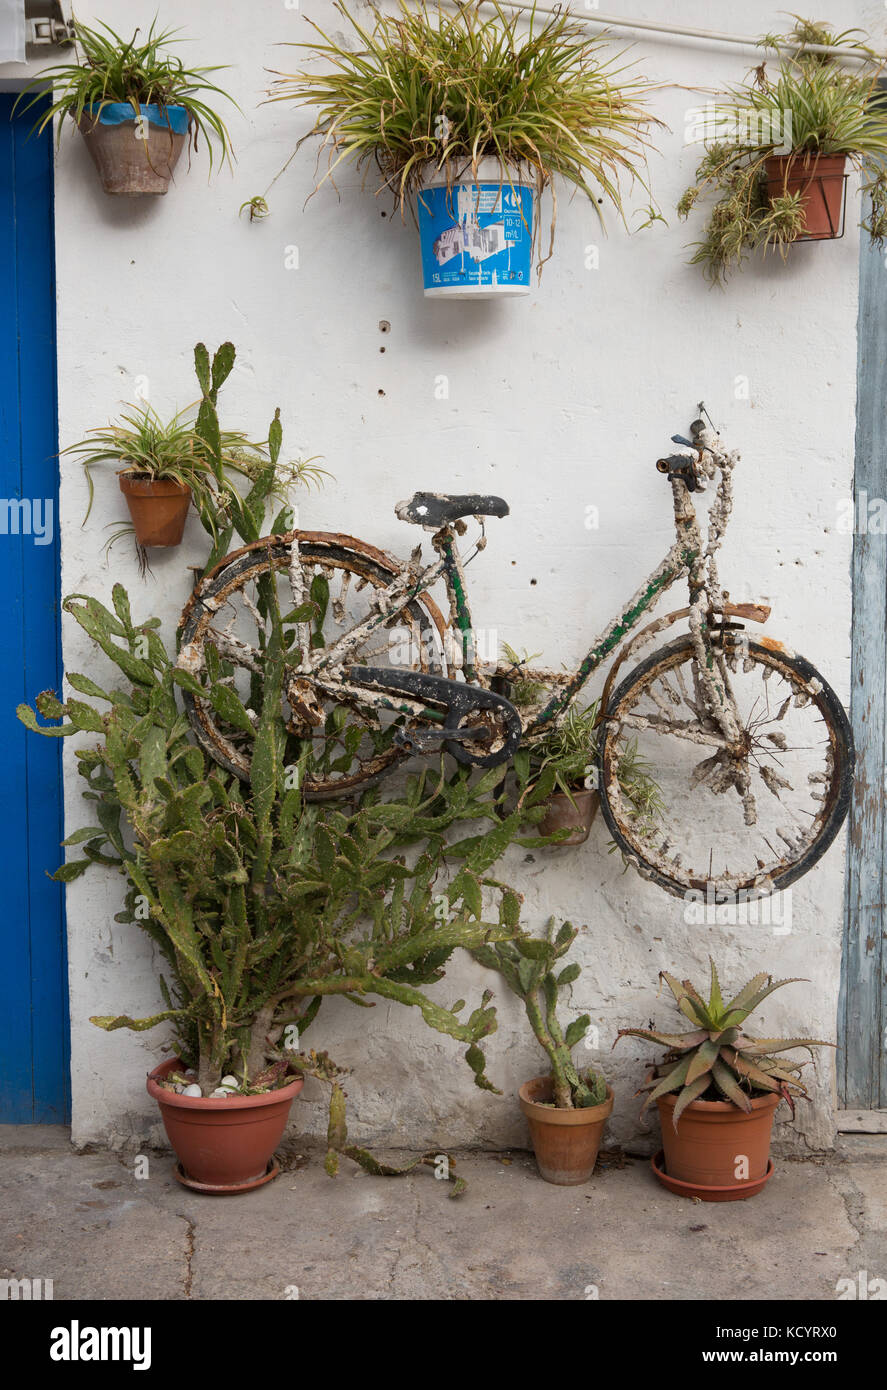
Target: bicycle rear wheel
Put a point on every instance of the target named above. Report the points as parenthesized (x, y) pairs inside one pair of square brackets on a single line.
[(695, 834)]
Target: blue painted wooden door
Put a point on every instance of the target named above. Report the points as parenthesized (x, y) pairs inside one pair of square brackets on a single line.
[(34, 1048)]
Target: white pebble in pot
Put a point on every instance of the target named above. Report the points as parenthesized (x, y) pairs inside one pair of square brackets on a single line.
[(231, 1082), (221, 1093), (192, 1091)]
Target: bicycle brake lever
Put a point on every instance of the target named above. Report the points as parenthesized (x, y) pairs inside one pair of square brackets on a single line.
[(689, 444)]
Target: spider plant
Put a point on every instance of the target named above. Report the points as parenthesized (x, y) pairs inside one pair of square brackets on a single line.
[(145, 445), (434, 91), (815, 104), (717, 1059), (111, 68)]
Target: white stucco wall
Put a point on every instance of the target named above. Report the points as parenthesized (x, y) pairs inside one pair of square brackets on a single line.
[(558, 402)]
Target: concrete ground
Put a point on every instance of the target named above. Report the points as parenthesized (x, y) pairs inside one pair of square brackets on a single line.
[(89, 1224)]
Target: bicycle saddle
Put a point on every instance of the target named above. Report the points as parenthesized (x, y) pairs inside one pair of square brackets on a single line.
[(434, 509)]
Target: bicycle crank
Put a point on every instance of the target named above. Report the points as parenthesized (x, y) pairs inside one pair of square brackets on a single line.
[(474, 716)]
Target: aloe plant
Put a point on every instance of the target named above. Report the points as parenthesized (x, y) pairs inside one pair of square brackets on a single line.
[(527, 964), (718, 1059)]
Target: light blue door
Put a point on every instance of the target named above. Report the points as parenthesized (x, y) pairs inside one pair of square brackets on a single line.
[(34, 1050), (862, 1036)]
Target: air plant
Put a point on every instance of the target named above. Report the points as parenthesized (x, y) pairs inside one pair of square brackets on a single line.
[(717, 1059)]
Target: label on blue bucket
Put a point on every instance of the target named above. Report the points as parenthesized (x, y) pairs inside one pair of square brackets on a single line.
[(476, 234)]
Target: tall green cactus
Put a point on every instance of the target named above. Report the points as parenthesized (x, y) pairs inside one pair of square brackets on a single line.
[(527, 964), (243, 513), (263, 905)]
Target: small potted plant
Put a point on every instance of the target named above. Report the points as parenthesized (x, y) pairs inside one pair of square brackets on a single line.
[(165, 465), (475, 117), (558, 771), (717, 1089), (562, 771), (567, 1109), (776, 151), (135, 104)]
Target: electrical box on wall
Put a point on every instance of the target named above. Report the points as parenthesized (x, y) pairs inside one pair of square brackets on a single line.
[(47, 22)]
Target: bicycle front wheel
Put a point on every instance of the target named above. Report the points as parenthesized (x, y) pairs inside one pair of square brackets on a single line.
[(694, 815)]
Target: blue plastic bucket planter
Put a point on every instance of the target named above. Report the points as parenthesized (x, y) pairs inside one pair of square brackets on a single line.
[(134, 155), (476, 237)]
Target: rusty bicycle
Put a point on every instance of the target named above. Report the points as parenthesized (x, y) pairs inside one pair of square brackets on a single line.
[(750, 746)]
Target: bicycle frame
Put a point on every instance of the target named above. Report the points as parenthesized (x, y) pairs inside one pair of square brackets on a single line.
[(685, 558)]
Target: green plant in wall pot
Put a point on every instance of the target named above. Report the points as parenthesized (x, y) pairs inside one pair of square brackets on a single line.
[(165, 465), (260, 905), (135, 103), (717, 1089), (557, 773), (560, 769), (776, 150), (474, 115), (567, 1109)]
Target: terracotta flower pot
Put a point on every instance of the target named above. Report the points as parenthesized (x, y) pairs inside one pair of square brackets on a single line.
[(565, 1142), (223, 1145), (134, 157), (158, 508), (820, 180), (562, 814), (716, 1144)]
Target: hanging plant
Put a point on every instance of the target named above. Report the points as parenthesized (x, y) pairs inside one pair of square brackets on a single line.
[(775, 159), (474, 118), (135, 104)]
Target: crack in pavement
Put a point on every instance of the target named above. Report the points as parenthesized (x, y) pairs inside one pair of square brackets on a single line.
[(189, 1251)]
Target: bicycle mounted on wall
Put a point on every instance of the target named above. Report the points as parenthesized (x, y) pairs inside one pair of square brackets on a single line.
[(750, 746)]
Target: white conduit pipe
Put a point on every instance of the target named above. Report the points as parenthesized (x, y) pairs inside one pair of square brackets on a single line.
[(642, 27)]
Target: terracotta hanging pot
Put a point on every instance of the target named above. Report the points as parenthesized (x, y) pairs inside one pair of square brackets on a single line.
[(576, 815), (820, 181), (718, 1152), (158, 507), (565, 1142), (134, 156), (223, 1145)]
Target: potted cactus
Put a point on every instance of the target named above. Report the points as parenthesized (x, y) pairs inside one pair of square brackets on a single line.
[(475, 117), (776, 150), (717, 1089), (567, 1109), (135, 104), (262, 905)]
